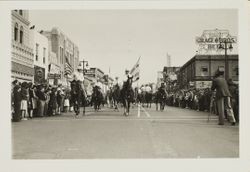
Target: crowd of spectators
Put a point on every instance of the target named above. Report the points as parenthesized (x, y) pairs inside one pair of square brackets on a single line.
[(29, 100)]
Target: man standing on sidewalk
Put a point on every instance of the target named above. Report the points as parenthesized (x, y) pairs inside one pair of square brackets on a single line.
[(223, 98)]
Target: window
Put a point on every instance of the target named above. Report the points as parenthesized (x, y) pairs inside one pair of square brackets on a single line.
[(16, 32), (37, 47), (221, 68), (21, 12), (44, 53), (204, 69), (21, 35), (236, 70)]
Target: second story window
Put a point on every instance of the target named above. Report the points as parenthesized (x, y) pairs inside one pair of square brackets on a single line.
[(44, 54), (21, 35), (204, 70), (37, 47), (21, 12), (16, 32)]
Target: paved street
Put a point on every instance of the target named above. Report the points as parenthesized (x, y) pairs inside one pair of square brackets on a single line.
[(146, 133)]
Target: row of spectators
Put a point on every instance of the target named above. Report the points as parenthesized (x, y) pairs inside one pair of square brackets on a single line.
[(29, 100), (202, 99)]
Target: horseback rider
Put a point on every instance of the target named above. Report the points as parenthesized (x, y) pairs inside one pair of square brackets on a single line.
[(126, 77), (162, 94), (78, 93)]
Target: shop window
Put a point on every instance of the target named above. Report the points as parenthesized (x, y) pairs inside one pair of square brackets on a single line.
[(16, 32), (221, 68), (21, 35)]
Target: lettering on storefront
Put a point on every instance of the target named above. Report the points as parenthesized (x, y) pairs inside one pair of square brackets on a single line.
[(203, 84), (54, 76)]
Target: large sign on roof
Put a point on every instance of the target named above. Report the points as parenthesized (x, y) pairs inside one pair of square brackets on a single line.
[(210, 40)]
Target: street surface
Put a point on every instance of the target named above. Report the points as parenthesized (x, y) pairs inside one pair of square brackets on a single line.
[(146, 133)]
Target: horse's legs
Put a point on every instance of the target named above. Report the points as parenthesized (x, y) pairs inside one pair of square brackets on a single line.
[(84, 109), (128, 106)]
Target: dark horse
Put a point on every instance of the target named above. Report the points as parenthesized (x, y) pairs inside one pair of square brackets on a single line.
[(127, 95), (78, 97), (148, 98), (97, 98), (160, 97)]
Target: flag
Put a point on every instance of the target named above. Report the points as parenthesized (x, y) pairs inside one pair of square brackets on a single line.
[(135, 71), (68, 70)]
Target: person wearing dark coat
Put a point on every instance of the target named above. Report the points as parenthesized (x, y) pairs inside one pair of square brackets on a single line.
[(53, 102), (41, 101), (16, 100), (234, 99), (223, 98)]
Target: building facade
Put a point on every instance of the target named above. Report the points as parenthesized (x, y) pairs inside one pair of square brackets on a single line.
[(66, 51), (21, 50), (199, 71), (41, 56)]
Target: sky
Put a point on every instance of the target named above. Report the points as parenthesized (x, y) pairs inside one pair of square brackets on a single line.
[(115, 39)]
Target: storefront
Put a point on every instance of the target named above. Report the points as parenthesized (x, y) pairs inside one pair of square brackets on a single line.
[(54, 76)]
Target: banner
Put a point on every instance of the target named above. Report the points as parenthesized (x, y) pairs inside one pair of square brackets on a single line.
[(135, 71)]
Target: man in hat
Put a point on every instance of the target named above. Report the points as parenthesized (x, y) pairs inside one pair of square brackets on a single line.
[(222, 97)]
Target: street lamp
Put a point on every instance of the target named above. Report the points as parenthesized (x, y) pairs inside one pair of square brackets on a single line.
[(226, 44), (83, 66)]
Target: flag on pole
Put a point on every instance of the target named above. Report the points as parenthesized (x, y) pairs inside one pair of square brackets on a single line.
[(67, 68), (135, 71)]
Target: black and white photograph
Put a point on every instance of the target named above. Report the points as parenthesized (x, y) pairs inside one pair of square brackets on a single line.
[(124, 84), (107, 83)]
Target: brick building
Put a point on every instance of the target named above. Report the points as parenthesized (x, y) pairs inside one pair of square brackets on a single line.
[(199, 71)]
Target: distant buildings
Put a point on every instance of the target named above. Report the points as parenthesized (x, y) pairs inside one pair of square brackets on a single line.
[(199, 71), (66, 51), (21, 51)]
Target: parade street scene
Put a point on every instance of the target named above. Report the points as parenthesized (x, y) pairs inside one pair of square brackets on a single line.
[(124, 84)]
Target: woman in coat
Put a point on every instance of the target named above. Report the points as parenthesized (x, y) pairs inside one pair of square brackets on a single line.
[(41, 100)]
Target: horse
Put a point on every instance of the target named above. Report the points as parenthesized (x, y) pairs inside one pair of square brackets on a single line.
[(160, 97), (116, 96), (127, 95), (97, 98), (148, 99), (78, 97)]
